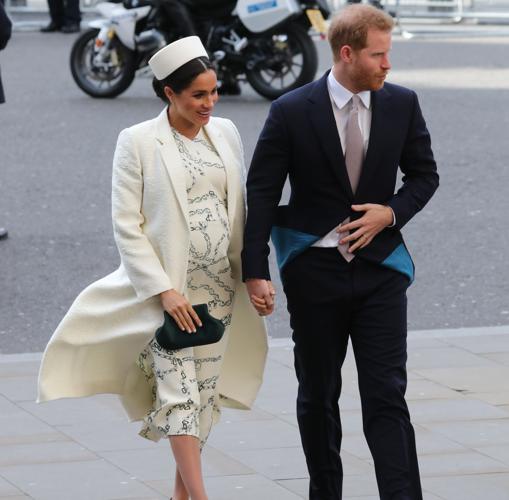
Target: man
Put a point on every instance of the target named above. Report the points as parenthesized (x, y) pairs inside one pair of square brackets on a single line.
[(65, 16), (344, 266), (5, 35)]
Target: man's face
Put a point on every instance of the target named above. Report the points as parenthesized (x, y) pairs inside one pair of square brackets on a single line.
[(370, 65)]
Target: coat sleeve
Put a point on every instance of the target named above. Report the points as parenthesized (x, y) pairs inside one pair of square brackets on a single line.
[(420, 177), (265, 182), (138, 256), (5, 27)]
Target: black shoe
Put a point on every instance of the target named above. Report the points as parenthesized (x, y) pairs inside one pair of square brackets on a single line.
[(3, 233), (51, 27), (70, 28)]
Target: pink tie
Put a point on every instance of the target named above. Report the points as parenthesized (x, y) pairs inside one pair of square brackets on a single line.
[(354, 157)]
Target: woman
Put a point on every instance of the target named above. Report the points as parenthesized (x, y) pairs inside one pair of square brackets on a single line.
[(178, 217)]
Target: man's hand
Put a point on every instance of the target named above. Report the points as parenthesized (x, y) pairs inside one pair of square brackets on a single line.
[(375, 219), (261, 292)]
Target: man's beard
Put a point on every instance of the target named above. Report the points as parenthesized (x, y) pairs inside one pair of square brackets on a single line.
[(368, 81)]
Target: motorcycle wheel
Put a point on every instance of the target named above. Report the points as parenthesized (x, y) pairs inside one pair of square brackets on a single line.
[(101, 81), (289, 61)]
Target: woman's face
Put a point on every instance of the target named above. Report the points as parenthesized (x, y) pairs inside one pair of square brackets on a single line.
[(194, 104)]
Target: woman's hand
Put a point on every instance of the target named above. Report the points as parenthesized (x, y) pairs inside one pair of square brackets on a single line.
[(179, 308)]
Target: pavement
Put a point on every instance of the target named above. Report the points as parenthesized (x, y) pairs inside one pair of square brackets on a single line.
[(458, 394)]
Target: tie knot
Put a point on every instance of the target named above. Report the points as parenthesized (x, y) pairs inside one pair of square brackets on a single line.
[(356, 102)]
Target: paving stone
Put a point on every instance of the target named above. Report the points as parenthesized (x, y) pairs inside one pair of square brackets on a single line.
[(447, 357), (88, 480), (470, 487), (277, 405), (282, 355), (17, 368), (298, 486), (277, 463), (456, 409), (107, 436), (230, 415), (499, 357), (349, 402), (434, 443), (363, 497), (482, 344), (356, 445), (429, 496), (474, 379), (354, 486), (8, 408), (8, 490), (24, 428), (493, 398), (361, 485), (426, 389), (477, 433), (217, 463), (246, 487), (288, 417), (158, 464), (75, 411), (498, 452), (253, 435), (39, 453), (415, 343), (450, 464), (19, 388)]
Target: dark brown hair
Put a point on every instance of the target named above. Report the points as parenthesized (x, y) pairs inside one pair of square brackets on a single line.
[(182, 77)]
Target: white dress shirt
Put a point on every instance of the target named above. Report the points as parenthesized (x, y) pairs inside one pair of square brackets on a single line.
[(341, 106)]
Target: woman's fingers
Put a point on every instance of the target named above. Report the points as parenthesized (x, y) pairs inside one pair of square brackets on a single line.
[(196, 319), (178, 320), (183, 319)]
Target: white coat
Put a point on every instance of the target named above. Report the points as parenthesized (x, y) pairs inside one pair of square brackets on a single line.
[(96, 345)]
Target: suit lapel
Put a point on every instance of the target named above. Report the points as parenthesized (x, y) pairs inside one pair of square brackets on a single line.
[(324, 124), (231, 166), (380, 101), (172, 161)]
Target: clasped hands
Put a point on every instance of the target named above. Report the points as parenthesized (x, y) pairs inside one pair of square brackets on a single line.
[(261, 293)]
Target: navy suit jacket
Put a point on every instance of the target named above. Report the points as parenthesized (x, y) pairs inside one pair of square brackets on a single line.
[(300, 141)]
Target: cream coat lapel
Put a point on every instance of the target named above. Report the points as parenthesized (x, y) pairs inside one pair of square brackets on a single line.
[(231, 165), (172, 161)]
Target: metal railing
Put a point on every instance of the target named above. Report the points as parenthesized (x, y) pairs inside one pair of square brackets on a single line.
[(448, 10)]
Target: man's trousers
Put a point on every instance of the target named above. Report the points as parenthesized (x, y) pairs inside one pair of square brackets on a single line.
[(330, 301)]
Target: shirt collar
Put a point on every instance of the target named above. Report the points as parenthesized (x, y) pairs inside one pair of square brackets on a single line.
[(341, 95)]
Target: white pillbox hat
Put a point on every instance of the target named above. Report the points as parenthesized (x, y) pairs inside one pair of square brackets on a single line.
[(165, 61)]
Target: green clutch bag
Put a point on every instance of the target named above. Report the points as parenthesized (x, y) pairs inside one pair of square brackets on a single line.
[(170, 336)]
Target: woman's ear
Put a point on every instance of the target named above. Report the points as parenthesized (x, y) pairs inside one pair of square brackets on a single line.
[(168, 92)]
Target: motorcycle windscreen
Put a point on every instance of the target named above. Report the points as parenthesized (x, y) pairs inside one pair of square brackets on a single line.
[(261, 15)]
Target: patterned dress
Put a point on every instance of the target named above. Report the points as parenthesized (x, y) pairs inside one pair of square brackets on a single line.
[(184, 381)]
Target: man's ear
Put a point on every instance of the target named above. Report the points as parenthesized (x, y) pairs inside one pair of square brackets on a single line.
[(345, 53)]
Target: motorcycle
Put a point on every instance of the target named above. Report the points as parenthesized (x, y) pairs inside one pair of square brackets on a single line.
[(266, 42)]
